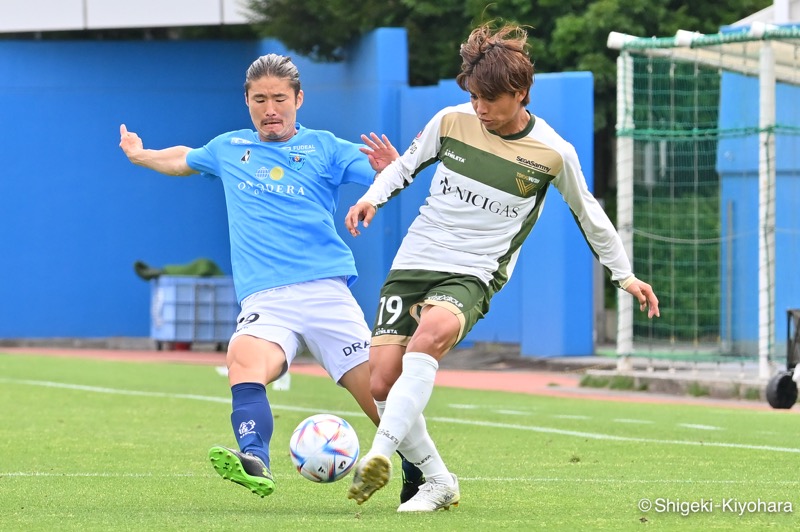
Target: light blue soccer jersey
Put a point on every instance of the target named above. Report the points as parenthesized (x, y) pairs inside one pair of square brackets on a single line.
[(281, 198)]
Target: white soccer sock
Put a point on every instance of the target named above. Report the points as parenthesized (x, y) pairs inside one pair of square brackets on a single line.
[(406, 401), (419, 449)]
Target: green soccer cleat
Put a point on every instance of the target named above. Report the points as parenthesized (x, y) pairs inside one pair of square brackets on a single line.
[(242, 468)]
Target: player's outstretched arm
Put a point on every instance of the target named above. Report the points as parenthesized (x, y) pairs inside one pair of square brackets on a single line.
[(169, 161), (643, 292), (379, 150), (363, 211)]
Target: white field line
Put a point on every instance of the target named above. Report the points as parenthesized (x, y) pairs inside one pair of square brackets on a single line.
[(698, 427), (474, 423)]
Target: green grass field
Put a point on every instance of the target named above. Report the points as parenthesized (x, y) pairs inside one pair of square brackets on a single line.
[(98, 445)]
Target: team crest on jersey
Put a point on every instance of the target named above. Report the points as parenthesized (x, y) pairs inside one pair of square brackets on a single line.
[(246, 157), (525, 185), (296, 160)]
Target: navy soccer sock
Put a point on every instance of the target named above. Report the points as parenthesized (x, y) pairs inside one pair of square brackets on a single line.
[(411, 473), (252, 419)]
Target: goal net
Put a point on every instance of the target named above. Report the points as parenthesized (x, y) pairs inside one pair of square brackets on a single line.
[(708, 181)]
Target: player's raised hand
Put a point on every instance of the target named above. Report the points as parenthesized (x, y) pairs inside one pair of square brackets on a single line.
[(168, 161), (643, 292), (363, 211), (129, 141), (379, 150)]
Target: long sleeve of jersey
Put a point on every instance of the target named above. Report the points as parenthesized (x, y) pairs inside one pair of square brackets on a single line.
[(487, 194), (422, 152), (595, 225)]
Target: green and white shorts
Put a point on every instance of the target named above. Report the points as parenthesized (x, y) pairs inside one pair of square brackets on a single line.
[(405, 293)]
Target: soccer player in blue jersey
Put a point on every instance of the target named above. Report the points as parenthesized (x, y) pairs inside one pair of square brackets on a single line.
[(496, 162), (291, 269)]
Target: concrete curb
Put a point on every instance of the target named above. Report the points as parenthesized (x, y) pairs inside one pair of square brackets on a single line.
[(696, 384)]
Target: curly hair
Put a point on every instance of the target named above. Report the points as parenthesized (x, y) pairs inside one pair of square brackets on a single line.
[(496, 61)]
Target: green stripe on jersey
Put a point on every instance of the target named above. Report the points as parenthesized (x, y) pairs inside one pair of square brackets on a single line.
[(492, 170)]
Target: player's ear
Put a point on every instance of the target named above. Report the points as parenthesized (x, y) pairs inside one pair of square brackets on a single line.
[(299, 99)]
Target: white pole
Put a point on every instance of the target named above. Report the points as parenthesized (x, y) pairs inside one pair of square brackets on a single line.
[(780, 11), (625, 201), (766, 209)]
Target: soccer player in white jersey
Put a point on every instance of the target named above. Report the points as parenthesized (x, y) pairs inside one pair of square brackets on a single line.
[(496, 161), (291, 269)]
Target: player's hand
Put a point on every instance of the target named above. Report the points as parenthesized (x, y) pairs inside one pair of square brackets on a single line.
[(643, 292), (129, 141), (363, 211), (379, 150)]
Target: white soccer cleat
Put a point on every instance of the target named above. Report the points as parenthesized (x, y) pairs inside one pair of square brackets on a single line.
[(371, 474), (432, 497)]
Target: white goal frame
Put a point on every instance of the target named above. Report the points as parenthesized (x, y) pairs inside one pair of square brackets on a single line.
[(757, 52)]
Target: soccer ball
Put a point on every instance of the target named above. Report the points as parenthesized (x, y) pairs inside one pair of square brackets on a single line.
[(324, 448)]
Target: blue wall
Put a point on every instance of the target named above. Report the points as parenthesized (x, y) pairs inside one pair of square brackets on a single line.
[(737, 162), (75, 214)]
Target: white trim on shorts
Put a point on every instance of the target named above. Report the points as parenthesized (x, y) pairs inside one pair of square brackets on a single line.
[(320, 316)]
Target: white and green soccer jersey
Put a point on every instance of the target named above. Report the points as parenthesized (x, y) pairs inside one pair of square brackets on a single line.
[(486, 195)]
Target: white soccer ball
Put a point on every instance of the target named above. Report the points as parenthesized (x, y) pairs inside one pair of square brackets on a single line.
[(324, 448)]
